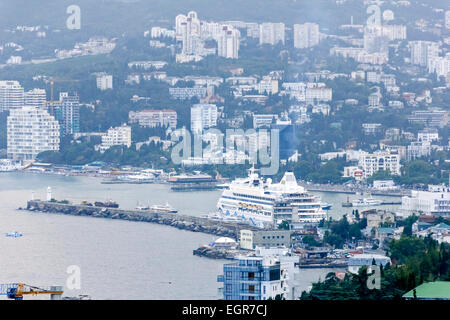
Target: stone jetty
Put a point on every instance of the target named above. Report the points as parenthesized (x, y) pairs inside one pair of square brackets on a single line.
[(182, 222)]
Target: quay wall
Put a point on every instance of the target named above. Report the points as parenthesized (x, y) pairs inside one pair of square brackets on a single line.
[(183, 222)]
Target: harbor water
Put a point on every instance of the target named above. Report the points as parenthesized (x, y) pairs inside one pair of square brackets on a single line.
[(117, 259)]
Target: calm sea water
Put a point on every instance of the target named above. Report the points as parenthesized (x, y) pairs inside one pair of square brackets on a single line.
[(117, 259)]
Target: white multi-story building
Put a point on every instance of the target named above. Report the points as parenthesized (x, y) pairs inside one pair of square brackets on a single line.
[(271, 33), (371, 128), (435, 201), (418, 149), (267, 85), (428, 135), (252, 30), (423, 51), (187, 93), (30, 131), (36, 98), (263, 120), (118, 136), (306, 35), (104, 82), (440, 66), (11, 95), (313, 95), (203, 116), (228, 42), (154, 118), (379, 161)]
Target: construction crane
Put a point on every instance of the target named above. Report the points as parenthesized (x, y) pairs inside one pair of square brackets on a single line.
[(16, 291)]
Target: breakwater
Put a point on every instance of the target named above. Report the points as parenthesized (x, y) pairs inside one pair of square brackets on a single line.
[(182, 222)]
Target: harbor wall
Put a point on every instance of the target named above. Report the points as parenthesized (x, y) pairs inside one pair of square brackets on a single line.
[(183, 222)]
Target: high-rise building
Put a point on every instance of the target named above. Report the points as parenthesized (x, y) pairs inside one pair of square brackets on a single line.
[(69, 113), (271, 33), (228, 42), (36, 98), (423, 51), (188, 30), (11, 95), (30, 131), (306, 35), (203, 116)]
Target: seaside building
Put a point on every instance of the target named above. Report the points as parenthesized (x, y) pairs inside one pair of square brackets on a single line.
[(254, 278), (435, 201), (30, 131)]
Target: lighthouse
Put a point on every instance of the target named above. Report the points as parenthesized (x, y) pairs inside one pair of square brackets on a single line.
[(49, 194)]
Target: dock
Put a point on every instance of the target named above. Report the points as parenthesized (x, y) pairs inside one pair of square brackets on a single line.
[(179, 221)]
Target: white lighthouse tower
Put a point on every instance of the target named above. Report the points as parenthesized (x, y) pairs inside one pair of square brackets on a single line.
[(49, 194)]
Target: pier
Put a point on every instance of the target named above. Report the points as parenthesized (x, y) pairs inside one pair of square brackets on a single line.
[(353, 190), (179, 221)]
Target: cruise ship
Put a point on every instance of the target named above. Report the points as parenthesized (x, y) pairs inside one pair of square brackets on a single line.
[(263, 203)]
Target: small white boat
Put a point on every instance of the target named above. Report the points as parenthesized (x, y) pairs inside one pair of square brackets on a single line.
[(163, 208), (366, 202)]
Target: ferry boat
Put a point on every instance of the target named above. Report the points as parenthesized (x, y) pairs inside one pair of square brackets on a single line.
[(163, 208), (192, 182), (140, 178), (263, 203), (366, 202)]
